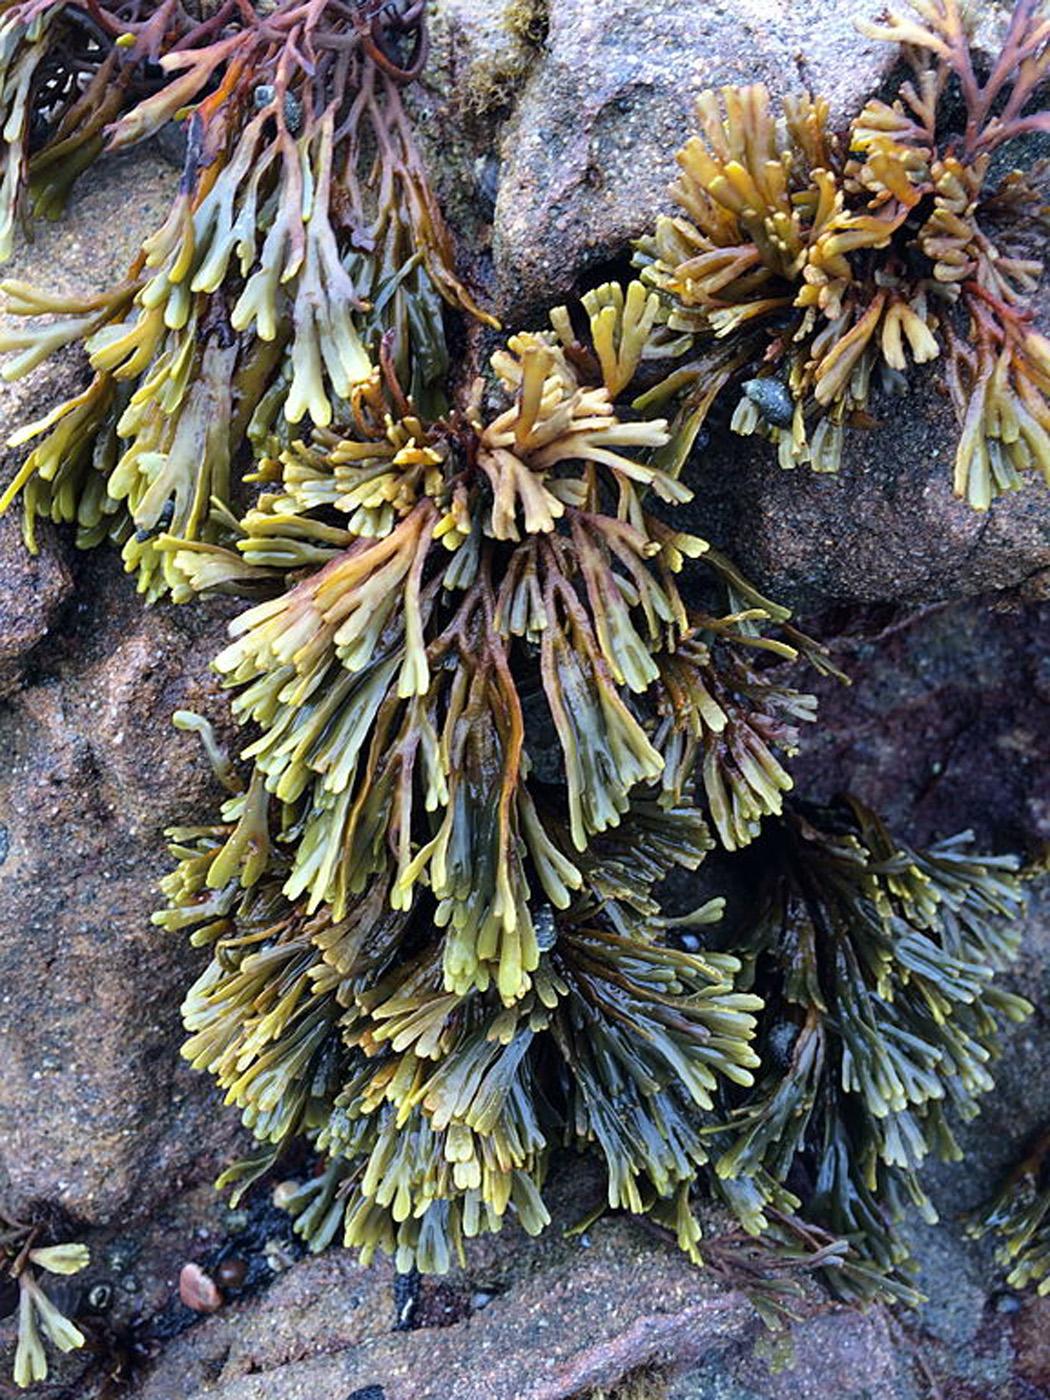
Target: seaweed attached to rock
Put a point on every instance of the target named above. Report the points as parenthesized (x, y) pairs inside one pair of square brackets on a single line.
[(498, 706), (876, 965), (303, 236), (1018, 1215), (25, 1257), (810, 268)]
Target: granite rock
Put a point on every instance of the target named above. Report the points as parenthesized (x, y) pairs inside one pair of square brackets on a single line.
[(96, 1110)]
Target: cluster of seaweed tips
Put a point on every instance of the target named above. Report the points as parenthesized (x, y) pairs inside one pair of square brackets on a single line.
[(1019, 1216), (435, 905), (877, 966), (481, 708), (303, 252), (828, 268), (24, 1259)]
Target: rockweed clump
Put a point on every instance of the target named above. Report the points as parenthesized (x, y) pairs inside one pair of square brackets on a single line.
[(494, 697)]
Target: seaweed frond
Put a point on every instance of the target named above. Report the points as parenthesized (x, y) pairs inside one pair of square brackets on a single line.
[(1019, 1215), (876, 964), (24, 1256), (439, 947), (425, 1098), (303, 249), (815, 270)]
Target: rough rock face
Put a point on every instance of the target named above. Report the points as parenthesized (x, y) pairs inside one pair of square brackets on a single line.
[(849, 1355), (886, 526), (32, 589), (944, 726), (96, 1111), (556, 1318)]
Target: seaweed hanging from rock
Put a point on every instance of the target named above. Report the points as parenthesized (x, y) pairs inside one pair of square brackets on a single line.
[(434, 905), (303, 237), (876, 965), (498, 708), (809, 268)]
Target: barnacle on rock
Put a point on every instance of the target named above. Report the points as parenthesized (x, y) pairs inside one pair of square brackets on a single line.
[(824, 267)]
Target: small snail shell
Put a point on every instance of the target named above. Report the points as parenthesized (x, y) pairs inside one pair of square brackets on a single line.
[(773, 400)]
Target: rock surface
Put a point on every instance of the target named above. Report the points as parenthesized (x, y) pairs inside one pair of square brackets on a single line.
[(563, 1317), (843, 1354), (886, 526), (943, 726), (32, 590), (96, 1110)]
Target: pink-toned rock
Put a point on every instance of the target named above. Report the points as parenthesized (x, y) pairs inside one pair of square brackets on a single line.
[(96, 1110), (198, 1290), (568, 1318), (33, 588)]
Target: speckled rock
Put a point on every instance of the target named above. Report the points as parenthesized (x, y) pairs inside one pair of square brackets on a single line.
[(564, 1317), (843, 1354), (944, 726), (886, 526), (96, 1111), (486, 48), (32, 590)]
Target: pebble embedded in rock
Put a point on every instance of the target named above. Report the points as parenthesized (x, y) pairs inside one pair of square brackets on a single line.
[(197, 1290)]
